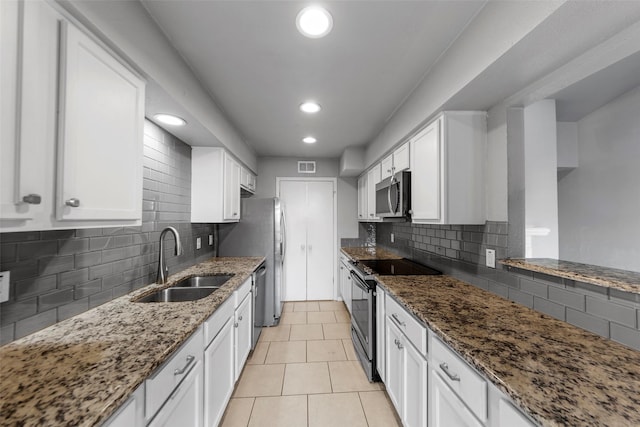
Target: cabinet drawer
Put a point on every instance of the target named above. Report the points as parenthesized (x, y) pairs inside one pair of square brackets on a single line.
[(416, 333), (457, 374), (242, 292), (161, 384), (216, 321)]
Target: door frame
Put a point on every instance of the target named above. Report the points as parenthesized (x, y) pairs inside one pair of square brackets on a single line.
[(334, 182)]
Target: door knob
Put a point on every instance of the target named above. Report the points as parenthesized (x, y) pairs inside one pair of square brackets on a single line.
[(74, 203)]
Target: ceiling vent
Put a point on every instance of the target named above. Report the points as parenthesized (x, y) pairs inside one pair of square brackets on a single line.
[(306, 166)]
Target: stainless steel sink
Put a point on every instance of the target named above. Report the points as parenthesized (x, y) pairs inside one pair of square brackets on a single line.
[(204, 281), (174, 294)]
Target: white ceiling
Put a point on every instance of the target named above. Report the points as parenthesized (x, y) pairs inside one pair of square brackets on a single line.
[(251, 58)]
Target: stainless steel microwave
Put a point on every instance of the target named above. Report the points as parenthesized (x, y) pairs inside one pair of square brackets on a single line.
[(393, 197)]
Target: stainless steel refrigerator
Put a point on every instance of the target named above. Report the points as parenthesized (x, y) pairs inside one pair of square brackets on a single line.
[(260, 232)]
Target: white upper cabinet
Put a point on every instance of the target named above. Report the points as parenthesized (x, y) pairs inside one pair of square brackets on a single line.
[(72, 126), (247, 181), (396, 161), (362, 198), (373, 177), (215, 186), (100, 133), (447, 170)]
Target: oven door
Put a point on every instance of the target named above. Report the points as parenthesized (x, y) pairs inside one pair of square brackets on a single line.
[(362, 311)]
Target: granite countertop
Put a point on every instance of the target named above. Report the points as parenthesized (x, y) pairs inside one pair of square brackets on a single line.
[(79, 371), (369, 252), (557, 373), (623, 280)]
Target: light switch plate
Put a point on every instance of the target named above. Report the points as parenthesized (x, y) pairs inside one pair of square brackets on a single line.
[(491, 258), (4, 286), (210, 239), (198, 243), (393, 238)]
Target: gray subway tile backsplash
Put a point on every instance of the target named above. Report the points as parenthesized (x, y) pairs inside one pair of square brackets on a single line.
[(458, 250), (58, 274)]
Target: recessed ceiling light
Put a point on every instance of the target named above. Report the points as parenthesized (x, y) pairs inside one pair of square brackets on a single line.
[(309, 140), (169, 119), (314, 22), (310, 107)]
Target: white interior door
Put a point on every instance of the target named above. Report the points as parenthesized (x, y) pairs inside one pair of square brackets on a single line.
[(320, 270), (294, 197), (309, 263)]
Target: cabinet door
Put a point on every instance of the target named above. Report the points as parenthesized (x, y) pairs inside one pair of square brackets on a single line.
[(386, 167), (131, 413), (347, 289), (445, 409), (394, 371), (219, 375), (243, 326), (401, 158), (373, 177), (362, 198), (231, 196), (426, 173), (414, 412), (185, 405), (28, 84), (508, 416), (380, 333), (100, 131)]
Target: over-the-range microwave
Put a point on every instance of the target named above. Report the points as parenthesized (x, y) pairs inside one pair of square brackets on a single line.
[(393, 197)]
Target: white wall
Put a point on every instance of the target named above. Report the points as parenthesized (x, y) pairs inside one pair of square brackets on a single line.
[(599, 202), (269, 168), (129, 29), (540, 174)]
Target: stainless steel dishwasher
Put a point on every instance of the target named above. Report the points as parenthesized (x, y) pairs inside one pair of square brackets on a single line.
[(259, 294)]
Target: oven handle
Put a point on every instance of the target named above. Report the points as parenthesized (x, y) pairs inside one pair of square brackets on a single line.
[(359, 282)]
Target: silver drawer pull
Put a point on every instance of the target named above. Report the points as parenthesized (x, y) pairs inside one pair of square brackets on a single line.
[(32, 199), (74, 203), (240, 318), (445, 368), (398, 321), (399, 344), (190, 360), (235, 325)]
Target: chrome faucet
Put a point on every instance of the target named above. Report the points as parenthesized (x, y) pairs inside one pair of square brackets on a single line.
[(163, 270)]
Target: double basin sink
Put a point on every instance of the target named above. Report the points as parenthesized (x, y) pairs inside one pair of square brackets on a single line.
[(189, 289)]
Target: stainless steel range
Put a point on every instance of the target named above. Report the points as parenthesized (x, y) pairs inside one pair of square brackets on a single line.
[(363, 304)]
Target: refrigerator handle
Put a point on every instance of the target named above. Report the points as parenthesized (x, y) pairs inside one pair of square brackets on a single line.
[(283, 235)]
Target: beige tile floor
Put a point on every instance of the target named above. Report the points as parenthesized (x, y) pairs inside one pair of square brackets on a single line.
[(304, 372)]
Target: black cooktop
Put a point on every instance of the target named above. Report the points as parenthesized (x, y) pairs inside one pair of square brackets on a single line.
[(398, 267)]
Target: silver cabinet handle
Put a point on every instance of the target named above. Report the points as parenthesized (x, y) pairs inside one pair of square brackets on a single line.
[(398, 321), (181, 371), (398, 344), (370, 214), (452, 376), (235, 325), (32, 199), (74, 203), (240, 319), (235, 213)]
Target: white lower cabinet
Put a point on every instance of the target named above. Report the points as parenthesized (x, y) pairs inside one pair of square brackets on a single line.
[(345, 284), (185, 405), (243, 327), (406, 377), (177, 387), (380, 333), (445, 408), (219, 374), (131, 413)]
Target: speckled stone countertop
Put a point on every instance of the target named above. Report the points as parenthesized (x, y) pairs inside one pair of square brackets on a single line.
[(79, 371), (557, 373), (369, 252), (623, 280)]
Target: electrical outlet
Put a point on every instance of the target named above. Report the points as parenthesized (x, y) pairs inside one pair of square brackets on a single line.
[(393, 238), (198, 243), (4, 286), (210, 239), (491, 258)]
